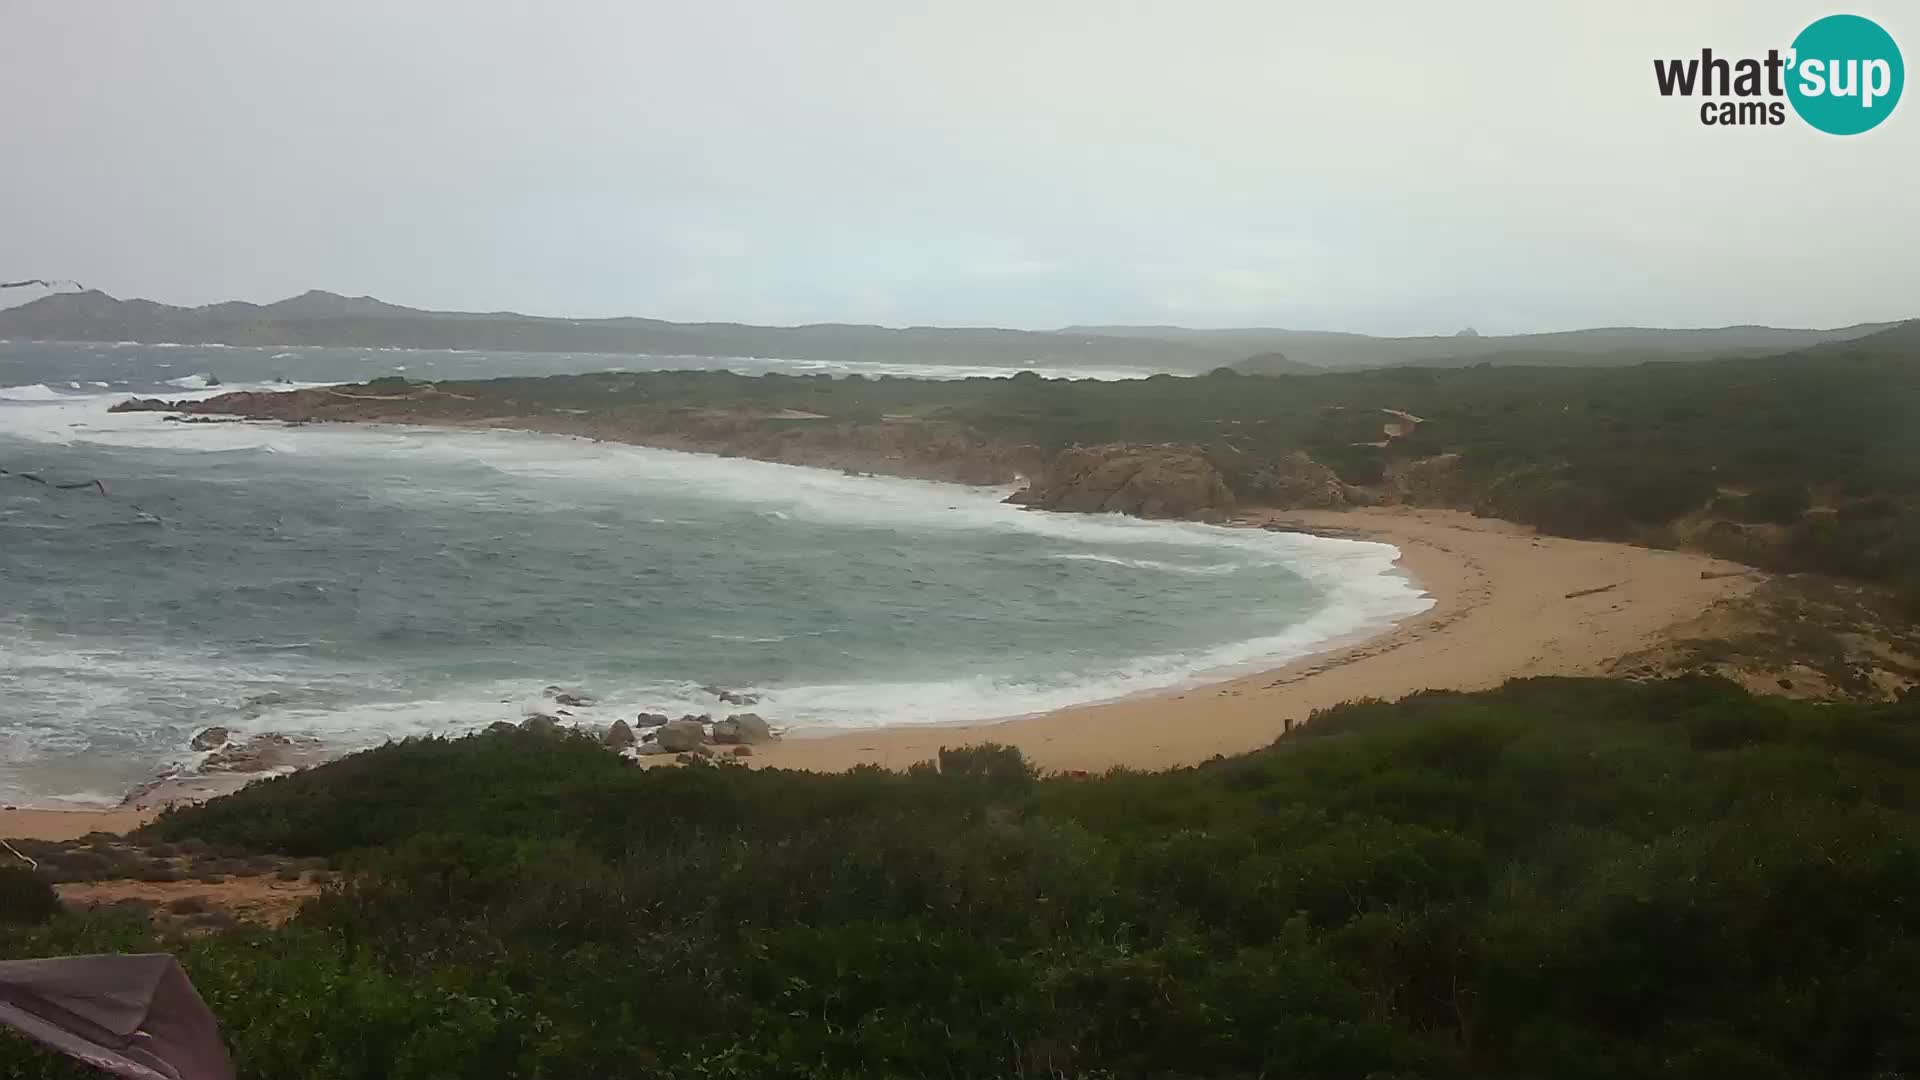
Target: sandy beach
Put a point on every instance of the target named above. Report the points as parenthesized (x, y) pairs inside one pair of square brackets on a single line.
[(140, 807), (1501, 611), (1508, 603)]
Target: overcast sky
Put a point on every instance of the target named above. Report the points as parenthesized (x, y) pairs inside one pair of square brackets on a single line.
[(1381, 167)]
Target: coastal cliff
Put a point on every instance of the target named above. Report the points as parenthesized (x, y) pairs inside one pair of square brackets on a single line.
[(1175, 480), (1147, 481)]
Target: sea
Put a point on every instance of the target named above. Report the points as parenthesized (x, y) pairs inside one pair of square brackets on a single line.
[(361, 584)]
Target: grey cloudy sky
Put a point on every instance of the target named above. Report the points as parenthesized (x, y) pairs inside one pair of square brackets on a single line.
[(1382, 167)]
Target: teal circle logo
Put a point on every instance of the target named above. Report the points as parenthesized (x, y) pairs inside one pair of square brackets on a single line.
[(1846, 74)]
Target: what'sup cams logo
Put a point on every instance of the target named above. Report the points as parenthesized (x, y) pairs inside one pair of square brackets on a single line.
[(1843, 75)]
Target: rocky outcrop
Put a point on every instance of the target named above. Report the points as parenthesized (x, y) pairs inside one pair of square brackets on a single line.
[(253, 404), (650, 719), (210, 738), (1433, 481), (680, 736), (1126, 478), (1187, 482), (540, 723), (1269, 363), (742, 728), (1294, 481), (263, 753), (502, 727), (619, 736)]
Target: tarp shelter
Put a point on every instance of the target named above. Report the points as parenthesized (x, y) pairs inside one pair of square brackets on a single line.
[(134, 1016)]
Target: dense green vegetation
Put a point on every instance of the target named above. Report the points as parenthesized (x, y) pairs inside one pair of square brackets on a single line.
[(1561, 878), (1806, 461)]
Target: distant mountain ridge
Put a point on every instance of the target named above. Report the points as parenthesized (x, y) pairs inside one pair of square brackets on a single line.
[(323, 318), (1599, 346), (318, 317)]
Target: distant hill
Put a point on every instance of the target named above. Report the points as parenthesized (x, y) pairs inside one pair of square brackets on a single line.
[(1267, 363), (324, 318), (1605, 346)]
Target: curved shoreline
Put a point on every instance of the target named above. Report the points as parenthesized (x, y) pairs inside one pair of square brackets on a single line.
[(1508, 603)]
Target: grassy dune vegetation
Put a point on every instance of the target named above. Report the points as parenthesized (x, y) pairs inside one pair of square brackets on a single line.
[(1561, 878)]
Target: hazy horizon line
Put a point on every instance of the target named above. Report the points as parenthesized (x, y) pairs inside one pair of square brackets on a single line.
[(1059, 329)]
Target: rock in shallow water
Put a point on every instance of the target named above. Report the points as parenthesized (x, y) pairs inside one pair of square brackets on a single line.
[(262, 753), (210, 738)]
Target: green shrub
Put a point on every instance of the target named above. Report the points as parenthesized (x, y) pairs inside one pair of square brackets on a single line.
[(1778, 505), (26, 897), (999, 766), (1558, 877)]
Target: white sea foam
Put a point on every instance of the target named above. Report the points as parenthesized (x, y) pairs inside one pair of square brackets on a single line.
[(565, 466), (1363, 597), (40, 414), (33, 392), (1358, 591), (84, 800), (1158, 565)]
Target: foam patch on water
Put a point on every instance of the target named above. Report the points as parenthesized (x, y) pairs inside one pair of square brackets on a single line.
[(39, 414), (1357, 592), (1154, 565), (1363, 596), (31, 392)]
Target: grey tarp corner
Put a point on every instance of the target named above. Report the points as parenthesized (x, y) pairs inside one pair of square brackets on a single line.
[(134, 1016)]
